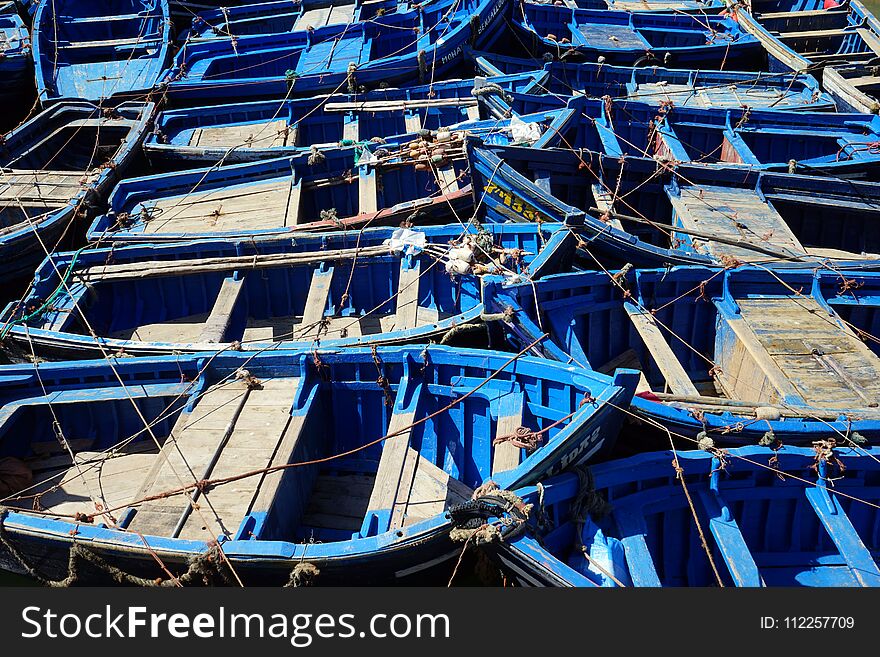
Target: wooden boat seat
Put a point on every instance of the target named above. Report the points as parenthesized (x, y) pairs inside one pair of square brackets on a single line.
[(108, 18), (447, 179), (413, 121), (398, 105), (739, 214), (350, 128), (680, 95), (667, 362), (406, 316), (136, 42), (335, 14), (791, 350), (316, 302), (19, 185), (408, 488), (218, 321), (510, 418), (368, 190), (254, 206), (730, 541), (232, 429), (110, 480), (845, 537), (812, 13), (863, 81), (604, 199), (266, 134), (611, 36), (870, 38)]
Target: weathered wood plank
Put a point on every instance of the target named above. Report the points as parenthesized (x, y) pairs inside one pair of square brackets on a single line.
[(847, 540), (368, 190), (398, 105), (676, 377), (801, 351), (218, 321), (737, 214), (264, 134), (433, 492), (397, 466), (316, 301), (413, 121), (294, 200), (510, 418), (263, 427), (406, 316)]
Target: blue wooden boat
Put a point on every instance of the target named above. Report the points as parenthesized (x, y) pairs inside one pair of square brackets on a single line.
[(839, 40), (649, 214), (377, 286), (741, 355), (16, 66), (241, 132), (340, 189), (842, 145), (627, 39), (786, 517), (333, 495), (399, 47), (641, 6), (57, 167), (783, 91), (185, 10), (415, 179), (97, 50), (284, 16)]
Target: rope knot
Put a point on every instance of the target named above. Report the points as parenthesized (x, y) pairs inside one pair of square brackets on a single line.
[(471, 519), (303, 574), (315, 156), (247, 378)]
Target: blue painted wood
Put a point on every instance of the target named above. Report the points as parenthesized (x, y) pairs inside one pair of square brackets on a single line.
[(780, 91), (624, 38), (843, 38), (506, 182), (344, 410), (580, 309), (858, 557), (89, 150), (383, 50), (95, 50), (16, 64), (271, 293), (731, 546), (172, 140), (753, 528)]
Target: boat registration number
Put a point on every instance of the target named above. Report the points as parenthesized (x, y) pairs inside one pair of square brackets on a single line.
[(514, 203)]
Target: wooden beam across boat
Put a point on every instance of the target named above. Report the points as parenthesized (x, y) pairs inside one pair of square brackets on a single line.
[(397, 466), (791, 349), (398, 105), (734, 215), (676, 377), (408, 294), (138, 270), (228, 432), (510, 418), (316, 301), (218, 321)]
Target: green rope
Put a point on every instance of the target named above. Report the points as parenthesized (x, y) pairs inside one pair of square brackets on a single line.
[(26, 318)]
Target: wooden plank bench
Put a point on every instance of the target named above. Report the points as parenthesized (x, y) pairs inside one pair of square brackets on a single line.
[(676, 378), (218, 321), (231, 430)]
